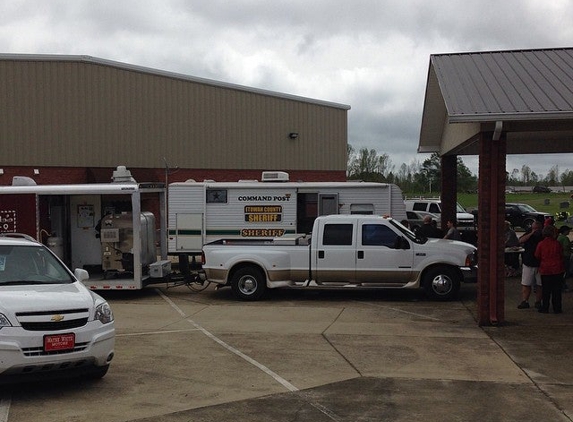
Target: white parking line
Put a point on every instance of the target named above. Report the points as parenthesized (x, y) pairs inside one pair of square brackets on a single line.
[(4, 408), (262, 367), (153, 333)]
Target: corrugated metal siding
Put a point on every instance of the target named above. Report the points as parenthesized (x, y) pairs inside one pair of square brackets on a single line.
[(506, 83), (65, 113)]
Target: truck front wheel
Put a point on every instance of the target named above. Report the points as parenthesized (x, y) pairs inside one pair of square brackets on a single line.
[(441, 283), (248, 283)]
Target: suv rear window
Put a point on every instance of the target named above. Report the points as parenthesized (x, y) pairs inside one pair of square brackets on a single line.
[(435, 208)]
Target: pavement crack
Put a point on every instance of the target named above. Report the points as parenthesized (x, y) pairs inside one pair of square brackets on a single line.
[(325, 337)]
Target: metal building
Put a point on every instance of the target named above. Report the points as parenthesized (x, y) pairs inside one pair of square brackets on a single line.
[(73, 119)]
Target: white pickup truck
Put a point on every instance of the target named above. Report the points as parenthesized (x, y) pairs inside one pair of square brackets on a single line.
[(356, 251)]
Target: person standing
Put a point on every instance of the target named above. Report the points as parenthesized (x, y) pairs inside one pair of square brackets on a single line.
[(427, 229), (563, 238), (452, 233), (549, 252), (511, 258), (530, 266)]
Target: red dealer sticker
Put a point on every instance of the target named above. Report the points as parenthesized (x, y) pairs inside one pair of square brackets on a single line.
[(59, 342)]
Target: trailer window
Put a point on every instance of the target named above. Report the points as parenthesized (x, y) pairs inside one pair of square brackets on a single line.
[(366, 209), (216, 196), (337, 234)]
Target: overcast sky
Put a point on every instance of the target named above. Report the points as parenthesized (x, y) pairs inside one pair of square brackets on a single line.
[(370, 54)]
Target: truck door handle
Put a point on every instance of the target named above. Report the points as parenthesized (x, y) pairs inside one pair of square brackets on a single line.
[(320, 254), (360, 254)]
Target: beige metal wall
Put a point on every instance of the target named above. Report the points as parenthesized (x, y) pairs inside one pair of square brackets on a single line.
[(83, 114)]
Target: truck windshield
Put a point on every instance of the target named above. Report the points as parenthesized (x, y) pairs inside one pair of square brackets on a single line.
[(31, 265)]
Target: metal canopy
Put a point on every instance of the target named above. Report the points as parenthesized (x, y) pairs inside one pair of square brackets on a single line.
[(527, 95)]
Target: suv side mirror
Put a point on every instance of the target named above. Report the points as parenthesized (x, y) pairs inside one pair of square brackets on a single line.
[(81, 274)]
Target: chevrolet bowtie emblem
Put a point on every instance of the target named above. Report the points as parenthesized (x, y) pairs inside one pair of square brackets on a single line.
[(57, 318)]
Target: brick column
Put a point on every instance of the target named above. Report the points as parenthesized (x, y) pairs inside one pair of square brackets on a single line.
[(449, 189), (491, 215)]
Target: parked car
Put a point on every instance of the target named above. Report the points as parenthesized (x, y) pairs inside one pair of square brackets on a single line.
[(51, 325), (541, 189), (523, 215), (416, 219)]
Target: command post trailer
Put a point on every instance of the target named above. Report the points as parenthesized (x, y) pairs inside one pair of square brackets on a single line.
[(202, 212), (107, 228)]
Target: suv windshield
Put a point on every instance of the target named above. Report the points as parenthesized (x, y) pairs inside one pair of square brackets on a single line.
[(31, 265)]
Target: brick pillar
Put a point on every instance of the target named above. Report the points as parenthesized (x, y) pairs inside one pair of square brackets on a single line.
[(491, 215), (449, 190)]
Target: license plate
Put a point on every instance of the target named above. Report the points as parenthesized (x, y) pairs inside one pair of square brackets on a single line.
[(59, 342)]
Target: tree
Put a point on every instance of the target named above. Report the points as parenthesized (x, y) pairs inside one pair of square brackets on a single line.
[(552, 176), (385, 165), (525, 174), (467, 182), (430, 173), (567, 178), (513, 178), (368, 165), (350, 154)]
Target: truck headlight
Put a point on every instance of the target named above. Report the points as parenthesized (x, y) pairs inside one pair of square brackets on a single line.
[(4, 322), (103, 313)]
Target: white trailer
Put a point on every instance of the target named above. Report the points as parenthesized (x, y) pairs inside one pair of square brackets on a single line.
[(202, 212), (107, 228)]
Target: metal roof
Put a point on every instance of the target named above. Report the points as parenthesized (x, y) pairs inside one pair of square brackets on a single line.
[(468, 92), (142, 69)]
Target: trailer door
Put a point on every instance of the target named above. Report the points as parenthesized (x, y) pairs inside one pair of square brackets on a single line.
[(189, 229), (327, 203)]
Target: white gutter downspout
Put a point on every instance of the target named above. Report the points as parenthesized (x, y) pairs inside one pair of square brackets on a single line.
[(497, 130)]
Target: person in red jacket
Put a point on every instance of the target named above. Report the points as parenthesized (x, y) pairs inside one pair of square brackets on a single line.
[(549, 252)]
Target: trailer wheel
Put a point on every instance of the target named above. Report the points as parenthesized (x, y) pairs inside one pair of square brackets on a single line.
[(442, 283), (248, 283)]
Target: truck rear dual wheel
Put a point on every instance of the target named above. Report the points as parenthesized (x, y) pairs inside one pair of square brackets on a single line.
[(248, 283), (441, 283)]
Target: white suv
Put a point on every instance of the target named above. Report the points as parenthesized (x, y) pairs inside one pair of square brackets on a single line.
[(51, 325), (465, 220)]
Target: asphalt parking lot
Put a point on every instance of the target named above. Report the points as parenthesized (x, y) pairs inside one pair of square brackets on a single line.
[(316, 356)]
